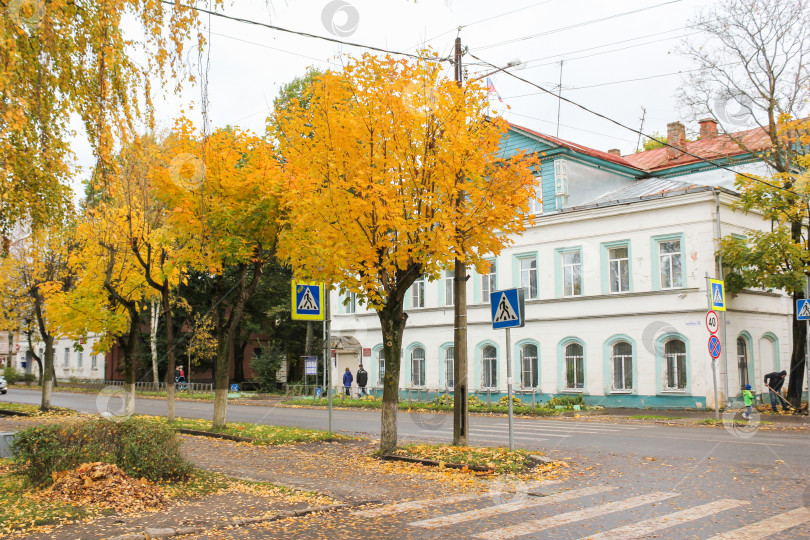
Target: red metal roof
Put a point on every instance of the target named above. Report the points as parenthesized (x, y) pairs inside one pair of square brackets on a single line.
[(577, 147), (742, 142)]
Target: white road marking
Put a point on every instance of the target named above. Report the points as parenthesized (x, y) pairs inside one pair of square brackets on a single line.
[(647, 526), (767, 527), (530, 502), (416, 505), (572, 517), (505, 433)]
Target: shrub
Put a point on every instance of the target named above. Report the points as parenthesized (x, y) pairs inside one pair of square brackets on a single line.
[(516, 401), (444, 399), (265, 366), (10, 375), (566, 401), (28, 378), (474, 401), (141, 448)]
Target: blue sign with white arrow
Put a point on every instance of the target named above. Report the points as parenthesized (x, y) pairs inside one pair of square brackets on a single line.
[(507, 308)]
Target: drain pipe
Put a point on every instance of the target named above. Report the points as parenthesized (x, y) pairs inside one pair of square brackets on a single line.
[(708, 292)]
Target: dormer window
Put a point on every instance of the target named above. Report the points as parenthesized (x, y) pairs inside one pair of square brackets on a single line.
[(561, 182)]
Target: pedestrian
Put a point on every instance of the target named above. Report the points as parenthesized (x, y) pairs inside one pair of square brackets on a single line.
[(347, 381), (748, 398), (362, 380), (774, 382)]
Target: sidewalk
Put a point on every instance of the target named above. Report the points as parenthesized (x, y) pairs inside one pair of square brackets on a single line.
[(330, 476)]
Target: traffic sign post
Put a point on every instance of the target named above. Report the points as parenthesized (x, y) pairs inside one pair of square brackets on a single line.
[(716, 296), (508, 308)]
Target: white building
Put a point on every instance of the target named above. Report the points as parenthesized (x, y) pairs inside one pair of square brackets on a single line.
[(615, 270), (71, 360)]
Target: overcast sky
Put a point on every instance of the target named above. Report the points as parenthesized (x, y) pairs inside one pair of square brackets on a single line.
[(618, 56)]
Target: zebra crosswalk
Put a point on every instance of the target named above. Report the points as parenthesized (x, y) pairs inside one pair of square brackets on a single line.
[(615, 502)]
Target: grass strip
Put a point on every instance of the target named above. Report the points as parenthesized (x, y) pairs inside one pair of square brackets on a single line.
[(500, 460), (259, 434)]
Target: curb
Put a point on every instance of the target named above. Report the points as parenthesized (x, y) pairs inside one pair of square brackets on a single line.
[(213, 435), (6, 412), (168, 532), (407, 459)]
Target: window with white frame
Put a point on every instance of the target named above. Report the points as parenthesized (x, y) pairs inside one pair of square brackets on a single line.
[(675, 365), (572, 273), (418, 293), (619, 263), (670, 262), (621, 366), (94, 361), (449, 287), (418, 367), (536, 202), (350, 302), (79, 359), (488, 282), (67, 358), (529, 376), (528, 276), (742, 361), (380, 367), (449, 367), (574, 367), (561, 182), (489, 367)]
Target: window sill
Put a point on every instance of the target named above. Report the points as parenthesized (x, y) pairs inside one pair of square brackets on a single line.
[(574, 390), (621, 391), (673, 391)]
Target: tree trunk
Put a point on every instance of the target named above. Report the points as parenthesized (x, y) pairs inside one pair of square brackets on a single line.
[(797, 367), (48, 378), (153, 326), (239, 361), (392, 320), (226, 333), (170, 361)]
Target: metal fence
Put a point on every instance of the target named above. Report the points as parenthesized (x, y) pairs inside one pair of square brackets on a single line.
[(149, 386)]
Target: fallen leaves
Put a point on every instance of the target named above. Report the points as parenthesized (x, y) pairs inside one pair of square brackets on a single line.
[(104, 485)]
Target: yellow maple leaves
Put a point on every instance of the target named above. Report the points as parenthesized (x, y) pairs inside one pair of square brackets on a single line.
[(391, 168)]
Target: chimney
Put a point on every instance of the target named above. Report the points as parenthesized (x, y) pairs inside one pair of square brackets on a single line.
[(708, 128), (615, 152), (676, 136)]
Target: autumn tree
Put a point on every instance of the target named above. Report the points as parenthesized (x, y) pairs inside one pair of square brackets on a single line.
[(374, 166), (753, 71), (778, 258), (224, 212), (37, 265), (63, 58)]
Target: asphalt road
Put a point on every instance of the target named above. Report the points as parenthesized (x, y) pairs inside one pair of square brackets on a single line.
[(627, 481)]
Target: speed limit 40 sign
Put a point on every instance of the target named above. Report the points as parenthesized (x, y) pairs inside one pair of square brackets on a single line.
[(712, 322)]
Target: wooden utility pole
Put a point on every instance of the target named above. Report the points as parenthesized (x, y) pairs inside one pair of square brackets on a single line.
[(460, 413)]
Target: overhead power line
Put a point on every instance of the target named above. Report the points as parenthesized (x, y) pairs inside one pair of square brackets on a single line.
[(577, 25), (639, 132), (299, 33)]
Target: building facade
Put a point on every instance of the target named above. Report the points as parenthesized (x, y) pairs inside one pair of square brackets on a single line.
[(615, 272)]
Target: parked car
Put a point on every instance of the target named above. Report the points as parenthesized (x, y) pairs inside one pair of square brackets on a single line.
[(3, 385)]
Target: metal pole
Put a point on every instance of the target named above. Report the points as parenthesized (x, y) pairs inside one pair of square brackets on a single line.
[(806, 351), (714, 360), (327, 345), (724, 349), (509, 391)]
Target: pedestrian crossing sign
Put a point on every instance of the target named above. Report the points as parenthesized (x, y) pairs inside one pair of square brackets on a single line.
[(307, 301), (507, 308), (717, 293), (803, 310)]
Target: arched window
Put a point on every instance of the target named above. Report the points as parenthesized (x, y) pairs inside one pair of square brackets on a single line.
[(742, 361), (489, 367), (449, 367), (529, 376), (574, 367), (380, 366), (621, 365), (675, 363), (418, 367)]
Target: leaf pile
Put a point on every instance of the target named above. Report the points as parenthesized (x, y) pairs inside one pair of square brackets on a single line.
[(104, 485)]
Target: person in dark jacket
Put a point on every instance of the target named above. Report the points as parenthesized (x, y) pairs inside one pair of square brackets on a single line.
[(362, 380), (774, 382), (347, 381)]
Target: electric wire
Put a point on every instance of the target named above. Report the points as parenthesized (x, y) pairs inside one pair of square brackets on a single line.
[(299, 33), (639, 132)]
